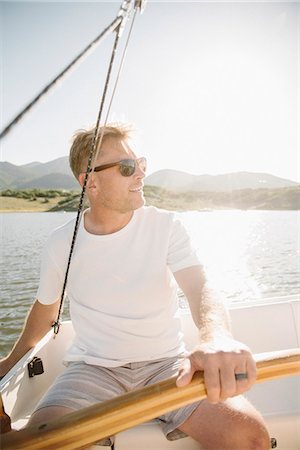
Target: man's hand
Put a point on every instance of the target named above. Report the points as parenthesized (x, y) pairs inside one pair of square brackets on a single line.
[(220, 359)]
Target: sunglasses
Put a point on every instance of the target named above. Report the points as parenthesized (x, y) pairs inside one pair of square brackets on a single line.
[(127, 166)]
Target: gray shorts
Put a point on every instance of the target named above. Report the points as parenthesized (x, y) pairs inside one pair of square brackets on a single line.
[(82, 385)]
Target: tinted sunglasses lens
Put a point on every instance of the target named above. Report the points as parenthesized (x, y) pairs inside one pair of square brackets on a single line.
[(127, 167)]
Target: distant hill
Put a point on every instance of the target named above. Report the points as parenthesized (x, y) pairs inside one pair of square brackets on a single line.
[(56, 174), (51, 181), (183, 182)]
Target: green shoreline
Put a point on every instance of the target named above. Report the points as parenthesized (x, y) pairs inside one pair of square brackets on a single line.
[(38, 200)]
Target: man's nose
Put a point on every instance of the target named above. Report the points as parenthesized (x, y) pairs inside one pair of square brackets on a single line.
[(139, 173)]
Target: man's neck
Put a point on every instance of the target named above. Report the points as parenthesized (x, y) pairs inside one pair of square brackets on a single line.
[(99, 222)]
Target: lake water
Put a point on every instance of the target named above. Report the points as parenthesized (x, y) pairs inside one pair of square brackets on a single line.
[(249, 255)]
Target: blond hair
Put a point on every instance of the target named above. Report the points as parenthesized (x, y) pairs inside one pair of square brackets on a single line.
[(83, 141)]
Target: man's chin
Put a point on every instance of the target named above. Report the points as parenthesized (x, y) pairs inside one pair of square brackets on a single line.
[(139, 203)]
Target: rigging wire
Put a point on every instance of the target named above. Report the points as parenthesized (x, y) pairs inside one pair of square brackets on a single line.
[(95, 147), (114, 90), (117, 22)]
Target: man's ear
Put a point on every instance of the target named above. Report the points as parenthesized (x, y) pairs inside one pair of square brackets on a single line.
[(90, 181), (81, 178)]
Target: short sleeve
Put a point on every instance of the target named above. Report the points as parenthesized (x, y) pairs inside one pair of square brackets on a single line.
[(181, 253), (51, 279)]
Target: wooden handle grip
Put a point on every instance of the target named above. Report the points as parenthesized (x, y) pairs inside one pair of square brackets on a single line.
[(91, 424)]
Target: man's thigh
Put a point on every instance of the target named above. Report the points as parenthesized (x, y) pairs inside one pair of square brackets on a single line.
[(79, 386), (233, 424), (82, 385), (48, 413)]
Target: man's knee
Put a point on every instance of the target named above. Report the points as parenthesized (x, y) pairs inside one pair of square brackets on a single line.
[(256, 437), (233, 425), (43, 415)]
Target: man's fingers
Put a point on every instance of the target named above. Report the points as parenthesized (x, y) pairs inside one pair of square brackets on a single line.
[(186, 373), (228, 383), (251, 371), (212, 384), (225, 374)]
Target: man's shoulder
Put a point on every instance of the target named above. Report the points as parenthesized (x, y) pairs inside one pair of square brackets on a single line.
[(154, 212), (63, 232), (152, 218)]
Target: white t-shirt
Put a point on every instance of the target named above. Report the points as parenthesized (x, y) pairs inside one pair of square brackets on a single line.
[(123, 296)]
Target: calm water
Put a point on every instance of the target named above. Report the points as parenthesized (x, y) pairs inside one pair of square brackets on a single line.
[(248, 255)]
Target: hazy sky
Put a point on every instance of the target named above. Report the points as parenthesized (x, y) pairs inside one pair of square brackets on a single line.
[(211, 87)]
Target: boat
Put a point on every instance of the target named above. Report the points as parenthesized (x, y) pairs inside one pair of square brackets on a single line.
[(263, 326), (272, 325)]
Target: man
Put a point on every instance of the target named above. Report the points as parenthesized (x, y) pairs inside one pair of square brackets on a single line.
[(123, 305)]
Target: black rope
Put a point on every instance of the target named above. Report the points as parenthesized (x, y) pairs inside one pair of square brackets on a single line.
[(112, 27), (96, 143)]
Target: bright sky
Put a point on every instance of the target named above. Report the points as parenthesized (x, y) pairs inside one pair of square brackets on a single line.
[(211, 87)]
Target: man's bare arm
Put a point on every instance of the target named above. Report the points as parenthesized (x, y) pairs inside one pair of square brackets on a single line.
[(218, 354), (37, 324), (208, 311)]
